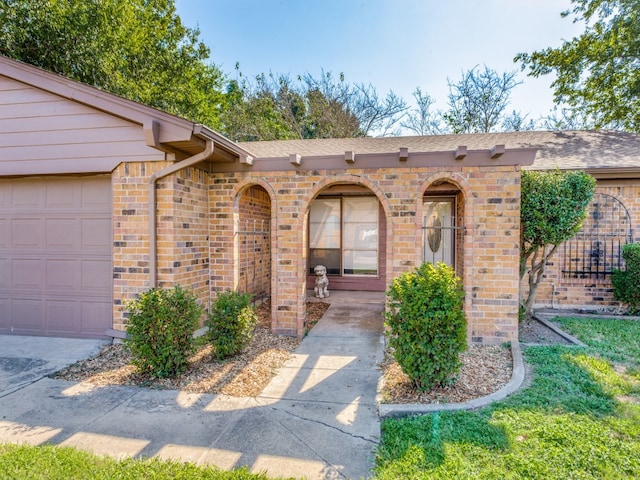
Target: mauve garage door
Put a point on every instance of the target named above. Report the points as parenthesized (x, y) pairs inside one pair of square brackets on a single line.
[(55, 256)]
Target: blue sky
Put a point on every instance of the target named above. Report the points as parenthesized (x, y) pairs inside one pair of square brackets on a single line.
[(397, 45)]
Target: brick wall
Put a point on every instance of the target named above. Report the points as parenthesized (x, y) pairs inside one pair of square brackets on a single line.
[(222, 250), (130, 234), (183, 232), (254, 242), (562, 291), (490, 240), (200, 214), (494, 242)]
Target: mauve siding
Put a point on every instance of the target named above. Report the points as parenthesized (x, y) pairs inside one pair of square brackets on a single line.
[(43, 133)]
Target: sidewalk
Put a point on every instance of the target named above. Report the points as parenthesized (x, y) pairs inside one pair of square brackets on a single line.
[(316, 419)]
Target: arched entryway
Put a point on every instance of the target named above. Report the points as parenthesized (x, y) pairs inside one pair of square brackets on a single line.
[(253, 243), (346, 232), (443, 225)]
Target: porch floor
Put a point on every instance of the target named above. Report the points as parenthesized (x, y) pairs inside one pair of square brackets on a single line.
[(348, 296)]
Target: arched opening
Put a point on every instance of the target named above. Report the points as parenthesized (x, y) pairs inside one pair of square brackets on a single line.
[(253, 243), (443, 225), (347, 235)]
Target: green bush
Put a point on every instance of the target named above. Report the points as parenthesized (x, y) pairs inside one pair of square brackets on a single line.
[(160, 330), (427, 324), (231, 323), (626, 283)]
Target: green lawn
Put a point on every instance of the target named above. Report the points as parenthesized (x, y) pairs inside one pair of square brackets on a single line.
[(57, 463), (580, 418)]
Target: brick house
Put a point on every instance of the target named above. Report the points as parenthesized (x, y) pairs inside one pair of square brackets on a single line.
[(102, 198)]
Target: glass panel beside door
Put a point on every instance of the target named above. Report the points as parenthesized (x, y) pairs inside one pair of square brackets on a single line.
[(324, 235), (343, 235)]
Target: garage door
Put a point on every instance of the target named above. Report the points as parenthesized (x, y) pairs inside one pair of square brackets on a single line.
[(55, 256)]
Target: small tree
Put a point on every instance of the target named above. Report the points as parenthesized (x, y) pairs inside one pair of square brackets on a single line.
[(554, 205), (427, 324), (626, 283)]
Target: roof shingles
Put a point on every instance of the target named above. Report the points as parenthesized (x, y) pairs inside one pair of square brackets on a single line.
[(557, 149)]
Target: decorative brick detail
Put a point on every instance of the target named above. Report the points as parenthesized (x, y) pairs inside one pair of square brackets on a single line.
[(254, 242), (489, 242)]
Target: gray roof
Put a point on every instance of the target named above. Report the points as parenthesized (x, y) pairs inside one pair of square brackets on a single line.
[(565, 150)]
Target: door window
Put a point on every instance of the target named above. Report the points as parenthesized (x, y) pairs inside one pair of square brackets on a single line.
[(439, 231)]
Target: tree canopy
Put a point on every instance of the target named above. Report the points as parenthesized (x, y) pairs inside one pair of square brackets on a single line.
[(477, 102), (275, 107), (597, 72), (553, 207), (420, 120), (138, 49), (141, 50)]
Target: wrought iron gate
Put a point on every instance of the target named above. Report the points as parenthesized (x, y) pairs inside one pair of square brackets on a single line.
[(597, 249)]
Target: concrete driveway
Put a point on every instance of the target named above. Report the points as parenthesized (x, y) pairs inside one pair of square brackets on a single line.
[(24, 360), (317, 418)]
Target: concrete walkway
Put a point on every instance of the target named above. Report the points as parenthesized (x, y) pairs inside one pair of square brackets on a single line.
[(316, 419)]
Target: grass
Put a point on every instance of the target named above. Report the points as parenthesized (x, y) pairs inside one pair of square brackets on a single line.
[(618, 341), (56, 463), (580, 418)]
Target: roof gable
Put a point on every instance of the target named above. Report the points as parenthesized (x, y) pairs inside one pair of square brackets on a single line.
[(25, 89)]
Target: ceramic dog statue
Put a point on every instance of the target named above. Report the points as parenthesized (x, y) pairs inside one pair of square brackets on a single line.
[(322, 282)]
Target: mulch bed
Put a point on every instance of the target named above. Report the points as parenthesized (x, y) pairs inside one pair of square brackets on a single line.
[(485, 369), (243, 375)]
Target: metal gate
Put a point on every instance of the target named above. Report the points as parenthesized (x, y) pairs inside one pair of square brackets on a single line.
[(597, 249), (254, 242)]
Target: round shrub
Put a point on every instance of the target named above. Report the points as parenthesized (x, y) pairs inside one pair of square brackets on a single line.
[(160, 330), (626, 283), (427, 325), (231, 323)]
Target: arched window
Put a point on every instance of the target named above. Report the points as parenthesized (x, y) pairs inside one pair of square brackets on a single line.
[(597, 249)]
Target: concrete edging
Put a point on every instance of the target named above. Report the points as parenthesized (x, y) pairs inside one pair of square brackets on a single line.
[(559, 331), (386, 410)]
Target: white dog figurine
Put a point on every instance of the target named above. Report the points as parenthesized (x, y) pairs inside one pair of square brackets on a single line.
[(322, 282)]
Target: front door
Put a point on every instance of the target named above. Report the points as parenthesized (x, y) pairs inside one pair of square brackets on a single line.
[(439, 231)]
